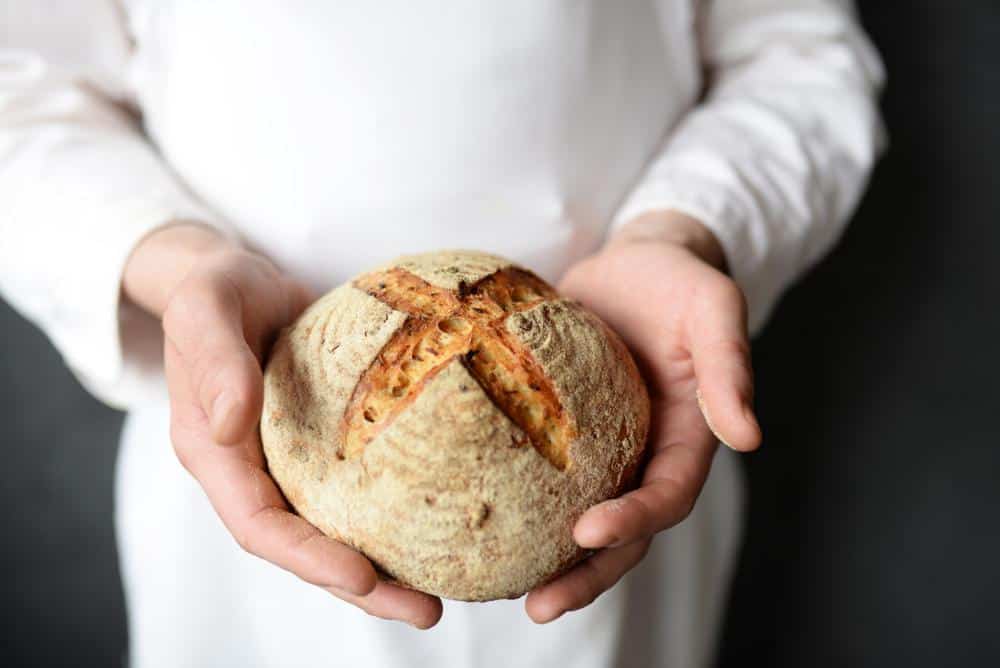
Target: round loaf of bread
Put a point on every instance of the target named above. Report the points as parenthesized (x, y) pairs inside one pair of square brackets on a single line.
[(451, 417)]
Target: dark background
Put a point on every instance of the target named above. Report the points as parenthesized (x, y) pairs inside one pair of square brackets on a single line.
[(873, 535)]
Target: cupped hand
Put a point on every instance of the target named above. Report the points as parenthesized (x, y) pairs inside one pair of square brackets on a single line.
[(659, 285), (221, 309)]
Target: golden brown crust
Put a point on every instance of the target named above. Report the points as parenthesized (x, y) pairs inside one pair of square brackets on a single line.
[(444, 497), (467, 323)]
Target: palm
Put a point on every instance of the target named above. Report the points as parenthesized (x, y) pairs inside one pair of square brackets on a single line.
[(685, 323), (217, 328)]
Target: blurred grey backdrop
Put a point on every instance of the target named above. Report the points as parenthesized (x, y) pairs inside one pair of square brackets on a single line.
[(873, 536)]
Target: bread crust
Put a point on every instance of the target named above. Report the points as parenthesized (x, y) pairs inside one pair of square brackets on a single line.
[(450, 497)]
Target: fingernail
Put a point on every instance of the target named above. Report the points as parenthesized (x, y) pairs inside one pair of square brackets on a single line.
[(708, 420)]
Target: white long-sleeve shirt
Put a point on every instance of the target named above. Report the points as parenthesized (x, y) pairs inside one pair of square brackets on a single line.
[(332, 136)]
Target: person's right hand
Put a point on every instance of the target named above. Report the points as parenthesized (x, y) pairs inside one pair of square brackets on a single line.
[(221, 307)]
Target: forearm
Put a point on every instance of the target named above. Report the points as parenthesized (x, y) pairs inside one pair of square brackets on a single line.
[(775, 154), (161, 261)]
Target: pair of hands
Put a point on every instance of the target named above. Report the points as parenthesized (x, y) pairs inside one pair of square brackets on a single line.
[(657, 283)]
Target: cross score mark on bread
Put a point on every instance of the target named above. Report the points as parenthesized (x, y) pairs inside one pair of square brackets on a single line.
[(470, 324)]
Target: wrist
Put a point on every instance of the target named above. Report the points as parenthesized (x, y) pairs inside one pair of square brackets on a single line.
[(674, 228), (162, 259)]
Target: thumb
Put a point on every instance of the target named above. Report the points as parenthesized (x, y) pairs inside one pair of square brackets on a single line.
[(205, 324), (720, 350)]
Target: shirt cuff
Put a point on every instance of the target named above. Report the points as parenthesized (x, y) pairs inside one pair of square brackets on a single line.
[(114, 348)]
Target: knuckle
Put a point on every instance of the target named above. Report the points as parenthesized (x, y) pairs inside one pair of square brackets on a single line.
[(182, 450), (728, 294), (645, 515), (676, 502), (243, 535), (304, 541), (247, 531), (686, 500), (184, 457), (687, 504), (739, 348), (644, 549), (176, 435)]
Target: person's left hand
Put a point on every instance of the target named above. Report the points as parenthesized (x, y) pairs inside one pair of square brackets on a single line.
[(659, 284)]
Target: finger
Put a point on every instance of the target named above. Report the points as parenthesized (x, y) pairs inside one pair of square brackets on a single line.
[(204, 324), (250, 504), (252, 508), (391, 601), (720, 350), (682, 455), (584, 583)]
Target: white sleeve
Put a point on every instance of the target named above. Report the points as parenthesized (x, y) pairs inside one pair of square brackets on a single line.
[(776, 156), (79, 186)]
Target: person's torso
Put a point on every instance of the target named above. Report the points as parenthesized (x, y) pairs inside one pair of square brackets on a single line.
[(337, 135)]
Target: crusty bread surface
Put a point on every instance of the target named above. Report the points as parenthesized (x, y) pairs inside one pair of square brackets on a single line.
[(450, 416)]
